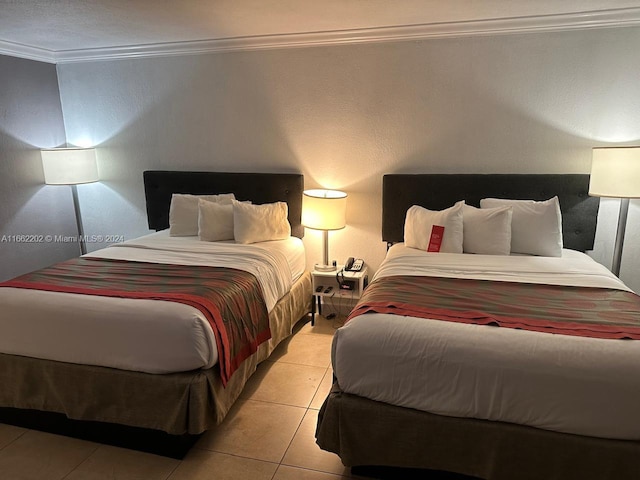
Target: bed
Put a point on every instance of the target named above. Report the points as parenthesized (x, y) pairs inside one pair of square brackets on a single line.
[(485, 402), (150, 374)]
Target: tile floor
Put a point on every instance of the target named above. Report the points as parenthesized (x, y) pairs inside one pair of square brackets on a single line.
[(269, 433)]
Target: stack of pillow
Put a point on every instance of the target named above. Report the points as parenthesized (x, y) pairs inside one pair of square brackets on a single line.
[(221, 217), (498, 227)]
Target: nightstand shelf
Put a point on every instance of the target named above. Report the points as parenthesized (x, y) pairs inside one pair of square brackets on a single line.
[(337, 285)]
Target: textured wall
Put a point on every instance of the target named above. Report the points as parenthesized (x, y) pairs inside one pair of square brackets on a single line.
[(30, 119), (344, 115)]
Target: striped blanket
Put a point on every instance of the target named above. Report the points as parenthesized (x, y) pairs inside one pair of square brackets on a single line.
[(231, 300)]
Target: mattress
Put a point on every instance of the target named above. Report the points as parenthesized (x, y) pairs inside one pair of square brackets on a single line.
[(569, 384), (148, 336)]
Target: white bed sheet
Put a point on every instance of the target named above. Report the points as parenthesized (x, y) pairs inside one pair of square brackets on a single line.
[(562, 383), (134, 334)]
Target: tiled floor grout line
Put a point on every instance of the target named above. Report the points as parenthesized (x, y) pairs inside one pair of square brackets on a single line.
[(275, 403), (296, 363), (288, 445), (290, 442), (307, 409), (83, 461), (15, 439), (168, 477), (293, 437), (235, 455)]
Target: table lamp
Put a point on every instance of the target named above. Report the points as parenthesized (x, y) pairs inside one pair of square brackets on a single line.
[(324, 210)]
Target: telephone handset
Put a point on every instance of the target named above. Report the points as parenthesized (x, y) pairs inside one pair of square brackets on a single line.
[(353, 264)]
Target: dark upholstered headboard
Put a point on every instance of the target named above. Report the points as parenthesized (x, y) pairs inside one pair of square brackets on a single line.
[(438, 191), (257, 187)]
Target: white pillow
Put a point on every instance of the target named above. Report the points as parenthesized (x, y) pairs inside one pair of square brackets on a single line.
[(215, 221), (487, 231), (536, 227), (183, 212), (260, 223), (419, 223)]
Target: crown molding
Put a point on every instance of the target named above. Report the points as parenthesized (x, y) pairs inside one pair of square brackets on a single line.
[(625, 17), (24, 51)]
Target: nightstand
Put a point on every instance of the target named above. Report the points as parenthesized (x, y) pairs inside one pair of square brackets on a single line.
[(337, 284)]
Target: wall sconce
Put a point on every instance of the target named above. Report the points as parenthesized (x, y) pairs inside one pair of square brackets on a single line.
[(71, 166), (615, 172), (324, 210)]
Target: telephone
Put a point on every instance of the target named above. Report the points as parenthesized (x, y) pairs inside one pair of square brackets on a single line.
[(353, 265)]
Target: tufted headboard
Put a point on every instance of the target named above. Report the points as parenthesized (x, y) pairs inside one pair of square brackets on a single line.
[(260, 188), (439, 191)]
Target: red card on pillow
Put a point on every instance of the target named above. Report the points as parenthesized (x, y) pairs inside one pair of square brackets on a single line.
[(437, 232)]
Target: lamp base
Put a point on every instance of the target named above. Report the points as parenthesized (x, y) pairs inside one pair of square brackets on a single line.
[(318, 267)]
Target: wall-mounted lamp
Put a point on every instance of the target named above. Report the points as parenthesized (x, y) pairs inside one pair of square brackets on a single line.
[(324, 210), (71, 166), (615, 172)]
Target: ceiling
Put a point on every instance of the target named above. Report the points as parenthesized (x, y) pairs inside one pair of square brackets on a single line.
[(75, 30)]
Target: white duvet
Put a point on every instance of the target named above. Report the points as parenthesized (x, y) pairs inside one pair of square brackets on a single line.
[(134, 334), (568, 384)]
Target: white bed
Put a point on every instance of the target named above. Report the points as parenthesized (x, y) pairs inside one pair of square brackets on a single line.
[(478, 371), (65, 362), (136, 334), (496, 403)]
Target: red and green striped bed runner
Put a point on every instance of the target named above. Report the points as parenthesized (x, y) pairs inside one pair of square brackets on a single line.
[(566, 310), (231, 300)]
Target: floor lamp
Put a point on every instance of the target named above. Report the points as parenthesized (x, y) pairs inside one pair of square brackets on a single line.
[(71, 166), (615, 172), (324, 210)]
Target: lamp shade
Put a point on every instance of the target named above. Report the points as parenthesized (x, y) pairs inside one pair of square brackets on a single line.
[(324, 209), (615, 172), (69, 166)]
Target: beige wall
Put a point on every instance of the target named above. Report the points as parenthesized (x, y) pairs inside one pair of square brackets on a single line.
[(345, 115)]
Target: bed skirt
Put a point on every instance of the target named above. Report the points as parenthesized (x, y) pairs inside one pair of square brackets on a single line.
[(177, 403), (365, 432)]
